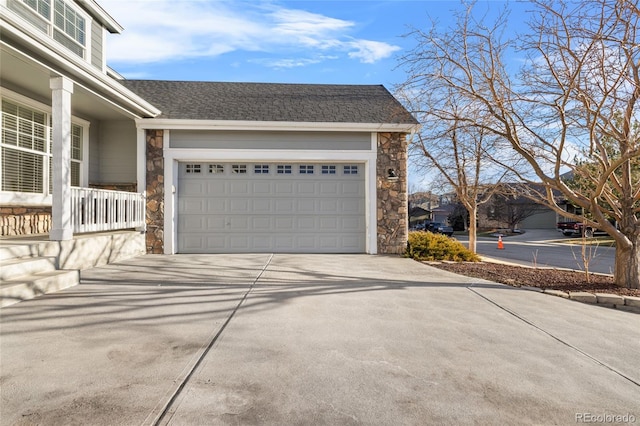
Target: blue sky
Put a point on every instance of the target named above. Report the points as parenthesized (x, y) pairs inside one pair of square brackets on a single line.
[(330, 41)]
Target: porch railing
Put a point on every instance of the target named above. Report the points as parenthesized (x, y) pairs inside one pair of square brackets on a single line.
[(97, 210)]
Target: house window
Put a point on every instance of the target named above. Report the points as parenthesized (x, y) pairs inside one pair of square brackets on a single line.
[(42, 7), (328, 170), (26, 146), (350, 170), (216, 168), (239, 169), (261, 169), (193, 168), (70, 27), (284, 169), (66, 24), (306, 169)]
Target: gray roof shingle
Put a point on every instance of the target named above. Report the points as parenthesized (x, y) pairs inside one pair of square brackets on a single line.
[(309, 103)]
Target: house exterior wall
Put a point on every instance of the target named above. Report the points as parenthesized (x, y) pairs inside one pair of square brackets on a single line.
[(97, 50), (392, 193), (117, 152), (325, 141), (155, 191)]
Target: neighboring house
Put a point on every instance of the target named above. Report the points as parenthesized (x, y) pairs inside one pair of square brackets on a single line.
[(213, 167)]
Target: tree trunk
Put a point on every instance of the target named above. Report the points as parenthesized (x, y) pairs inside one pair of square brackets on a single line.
[(472, 228), (627, 264)]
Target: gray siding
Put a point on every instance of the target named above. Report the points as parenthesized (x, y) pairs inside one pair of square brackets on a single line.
[(117, 152), (94, 152), (97, 49), (334, 141)]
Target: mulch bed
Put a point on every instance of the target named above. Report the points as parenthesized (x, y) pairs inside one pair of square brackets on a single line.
[(543, 278)]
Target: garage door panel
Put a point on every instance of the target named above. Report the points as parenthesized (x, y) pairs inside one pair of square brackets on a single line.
[(238, 187), (306, 223), (215, 222), (329, 188), (284, 223), (261, 223), (351, 206), (283, 188), (306, 188), (214, 187), (306, 205), (238, 205), (328, 205), (284, 205), (328, 223), (192, 206), (261, 188), (263, 211)]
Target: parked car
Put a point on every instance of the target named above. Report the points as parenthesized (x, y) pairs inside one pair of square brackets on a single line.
[(440, 228), (573, 228)]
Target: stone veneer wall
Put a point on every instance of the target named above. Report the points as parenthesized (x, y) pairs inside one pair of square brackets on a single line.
[(155, 192), (24, 220), (392, 193)]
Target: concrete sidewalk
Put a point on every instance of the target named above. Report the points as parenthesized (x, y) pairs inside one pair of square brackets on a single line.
[(319, 339)]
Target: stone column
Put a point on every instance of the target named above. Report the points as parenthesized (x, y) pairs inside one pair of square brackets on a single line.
[(62, 88), (155, 192), (392, 193)]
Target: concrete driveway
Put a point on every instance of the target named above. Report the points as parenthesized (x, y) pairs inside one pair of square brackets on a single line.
[(310, 339)]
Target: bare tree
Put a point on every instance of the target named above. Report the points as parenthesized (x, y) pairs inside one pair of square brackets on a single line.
[(579, 86), (461, 152)]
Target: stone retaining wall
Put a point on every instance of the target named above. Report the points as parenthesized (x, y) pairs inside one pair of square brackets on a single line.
[(392, 193), (24, 220), (155, 192)]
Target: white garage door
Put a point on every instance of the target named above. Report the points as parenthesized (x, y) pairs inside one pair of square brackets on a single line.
[(271, 207)]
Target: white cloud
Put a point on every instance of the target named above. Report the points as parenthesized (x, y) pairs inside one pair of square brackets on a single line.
[(371, 51), (158, 30)]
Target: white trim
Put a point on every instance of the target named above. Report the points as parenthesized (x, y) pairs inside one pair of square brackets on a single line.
[(24, 199), (173, 155), (84, 168), (162, 123), (105, 19)]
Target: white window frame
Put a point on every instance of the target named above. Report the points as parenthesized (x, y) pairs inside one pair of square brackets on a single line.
[(52, 27), (44, 198)]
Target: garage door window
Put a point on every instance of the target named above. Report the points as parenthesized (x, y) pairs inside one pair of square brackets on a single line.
[(239, 169), (193, 168), (261, 169), (350, 170), (216, 169), (284, 169), (306, 169), (328, 170)]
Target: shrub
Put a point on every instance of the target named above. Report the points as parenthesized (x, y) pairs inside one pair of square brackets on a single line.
[(430, 246)]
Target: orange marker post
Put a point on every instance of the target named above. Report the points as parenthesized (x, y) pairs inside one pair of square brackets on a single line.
[(500, 243)]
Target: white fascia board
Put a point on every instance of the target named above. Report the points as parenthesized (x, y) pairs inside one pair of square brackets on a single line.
[(174, 124), (74, 65), (103, 17)]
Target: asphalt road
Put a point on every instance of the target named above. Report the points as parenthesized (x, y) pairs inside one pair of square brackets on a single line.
[(544, 247)]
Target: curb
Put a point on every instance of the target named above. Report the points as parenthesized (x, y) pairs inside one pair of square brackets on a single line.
[(625, 303)]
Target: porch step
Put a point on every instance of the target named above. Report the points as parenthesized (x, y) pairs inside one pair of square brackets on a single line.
[(30, 286), (16, 268)]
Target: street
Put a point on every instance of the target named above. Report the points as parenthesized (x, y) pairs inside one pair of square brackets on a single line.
[(545, 248)]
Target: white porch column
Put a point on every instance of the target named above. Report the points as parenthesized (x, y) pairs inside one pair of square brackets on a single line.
[(61, 228)]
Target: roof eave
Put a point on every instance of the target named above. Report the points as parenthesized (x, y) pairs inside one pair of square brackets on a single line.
[(105, 19), (184, 124)]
